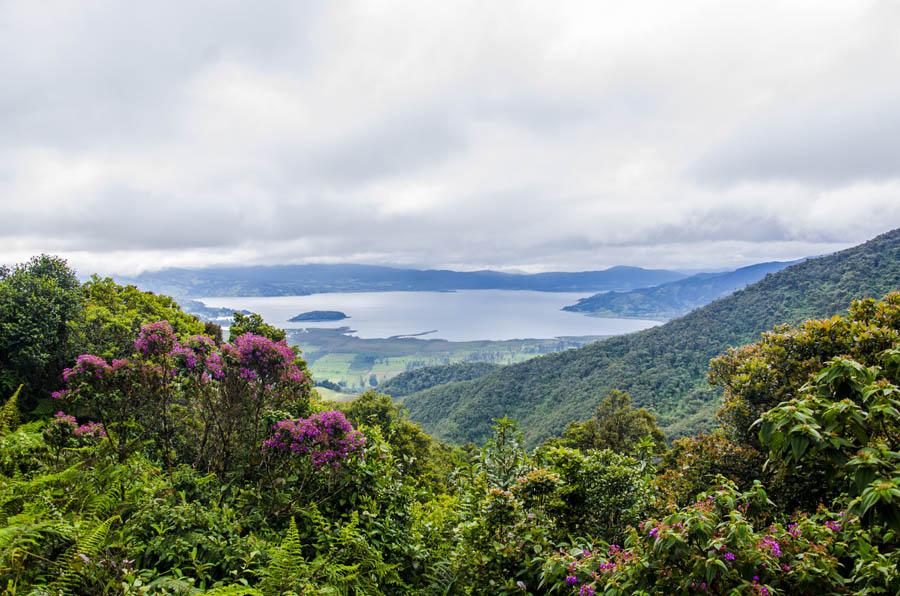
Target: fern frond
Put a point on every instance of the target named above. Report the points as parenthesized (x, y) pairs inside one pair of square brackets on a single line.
[(9, 413), (287, 567), (87, 547), (25, 535)]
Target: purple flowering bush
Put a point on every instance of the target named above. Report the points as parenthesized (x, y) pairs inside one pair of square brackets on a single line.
[(194, 400), (325, 438), (63, 431)]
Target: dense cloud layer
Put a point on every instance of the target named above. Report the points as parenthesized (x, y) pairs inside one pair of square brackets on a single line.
[(522, 135)]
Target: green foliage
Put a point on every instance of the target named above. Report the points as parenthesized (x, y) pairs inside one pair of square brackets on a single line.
[(694, 463), (846, 423), (287, 571), (113, 314), (617, 426), (600, 493), (76, 563), (418, 455), (663, 368), (503, 458), (431, 376), (9, 413), (716, 545), (254, 323), (758, 376), (39, 300)]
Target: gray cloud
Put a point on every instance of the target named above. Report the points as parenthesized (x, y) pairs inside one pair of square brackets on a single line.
[(465, 134), (828, 145)]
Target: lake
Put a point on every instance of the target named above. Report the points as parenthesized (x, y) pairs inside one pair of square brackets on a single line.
[(464, 315)]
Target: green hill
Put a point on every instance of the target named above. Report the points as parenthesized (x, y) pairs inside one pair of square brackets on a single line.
[(663, 368), (675, 298), (430, 376)]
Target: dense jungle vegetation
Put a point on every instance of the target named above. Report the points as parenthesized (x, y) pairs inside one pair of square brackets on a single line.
[(140, 453), (663, 368)]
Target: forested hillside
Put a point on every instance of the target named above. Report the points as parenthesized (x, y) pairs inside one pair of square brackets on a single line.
[(673, 299), (429, 376), (663, 368)]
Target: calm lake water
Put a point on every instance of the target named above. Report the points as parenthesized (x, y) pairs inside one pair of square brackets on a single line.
[(464, 315)]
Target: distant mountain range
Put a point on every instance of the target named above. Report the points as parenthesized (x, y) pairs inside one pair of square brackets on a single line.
[(287, 280), (664, 368), (676, 298)]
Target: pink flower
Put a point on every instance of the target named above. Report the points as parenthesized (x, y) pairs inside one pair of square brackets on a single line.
[(156, 339)]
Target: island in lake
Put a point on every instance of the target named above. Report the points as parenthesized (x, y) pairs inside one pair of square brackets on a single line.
[(318, 316)]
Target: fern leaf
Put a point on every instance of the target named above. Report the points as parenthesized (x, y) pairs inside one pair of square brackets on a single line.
[(87, 547), (287, 567), (9, 413)]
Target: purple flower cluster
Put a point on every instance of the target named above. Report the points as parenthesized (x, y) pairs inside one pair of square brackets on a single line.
[(87, 367), (198, 356), (833, 526), (758, 588), (260, 357), (586, 590), (156, 339), (215, 368), (88, 429), (771, 544), (326, 437), (65, 418)]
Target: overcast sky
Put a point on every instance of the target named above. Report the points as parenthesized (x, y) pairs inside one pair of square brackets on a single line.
[(518, 135)]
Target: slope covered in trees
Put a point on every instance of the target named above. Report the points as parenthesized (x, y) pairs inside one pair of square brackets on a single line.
[(430, 376), (676, 298), (664, 368)]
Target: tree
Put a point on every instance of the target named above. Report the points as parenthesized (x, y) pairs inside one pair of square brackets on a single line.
[(759, 376), (616, 425), (113, 315), (39, 301), (845, 426), (254, 323)]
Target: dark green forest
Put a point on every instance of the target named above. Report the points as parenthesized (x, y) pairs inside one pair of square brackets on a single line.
[(675, 298), (142, 453), (430, 376), (663, 368)]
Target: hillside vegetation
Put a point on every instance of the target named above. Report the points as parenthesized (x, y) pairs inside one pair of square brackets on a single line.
[(676, 298), (663, 368), (430, 376)]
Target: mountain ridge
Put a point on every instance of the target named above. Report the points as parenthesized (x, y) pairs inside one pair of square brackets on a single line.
[(282, 280), (675, 298)]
